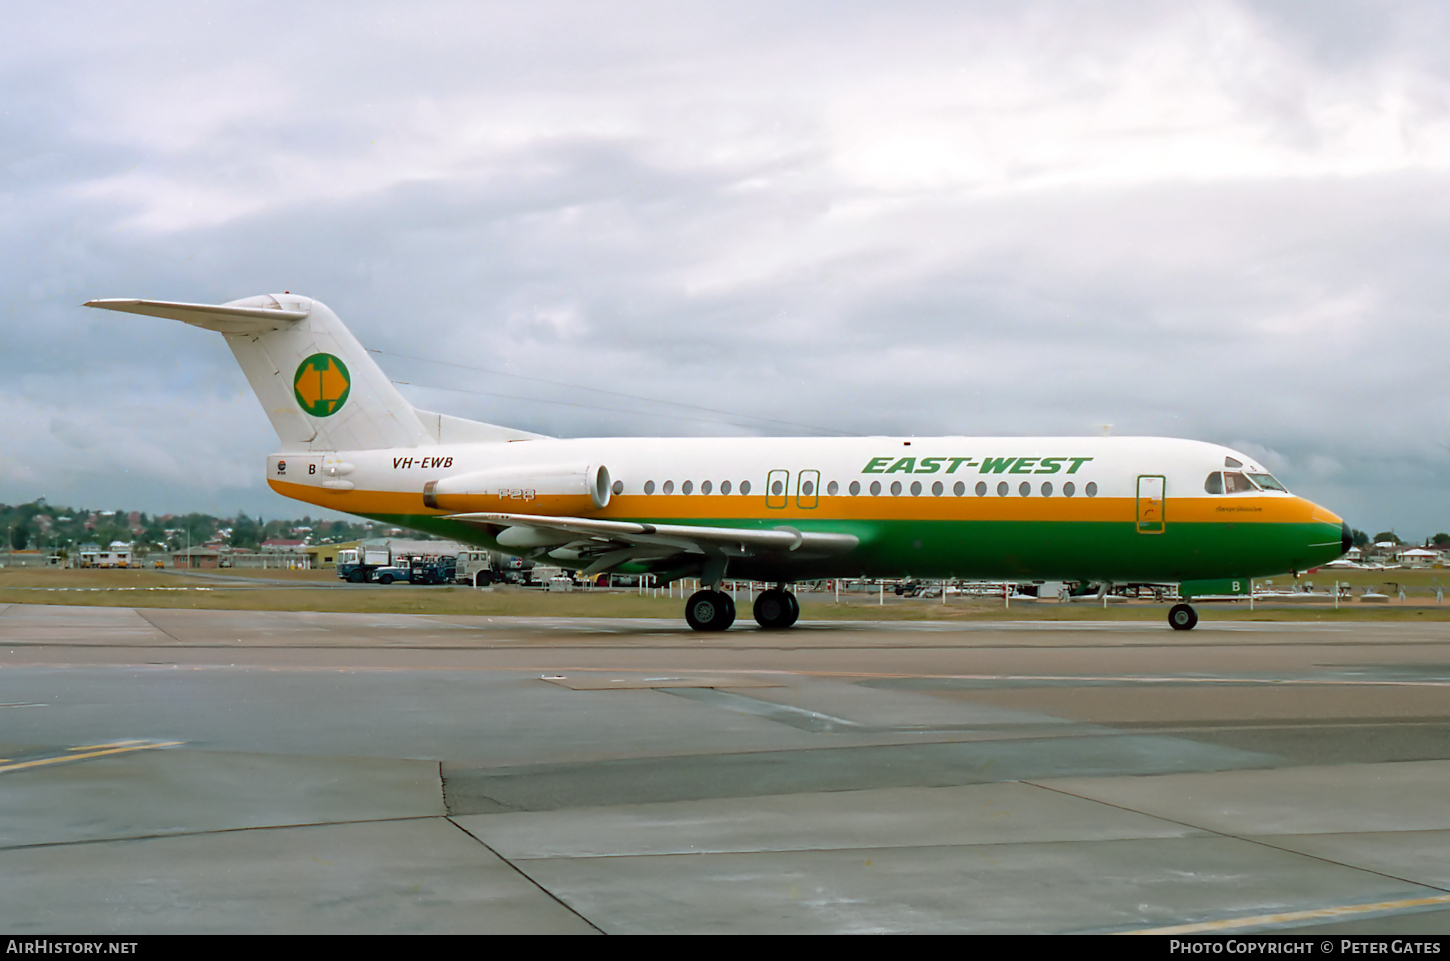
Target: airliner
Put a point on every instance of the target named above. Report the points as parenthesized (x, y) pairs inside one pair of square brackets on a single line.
[(1090, 510)]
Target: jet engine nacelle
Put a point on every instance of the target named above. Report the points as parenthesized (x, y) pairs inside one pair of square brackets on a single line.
[(516, 489)]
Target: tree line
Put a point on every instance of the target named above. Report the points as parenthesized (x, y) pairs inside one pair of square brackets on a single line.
[(60, 529)]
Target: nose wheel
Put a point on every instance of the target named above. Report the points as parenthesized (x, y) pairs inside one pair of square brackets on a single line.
[(776, 609), (710, 611), (1181, 617)]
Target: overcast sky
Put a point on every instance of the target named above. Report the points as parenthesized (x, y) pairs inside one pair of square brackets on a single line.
[(1223, 221)]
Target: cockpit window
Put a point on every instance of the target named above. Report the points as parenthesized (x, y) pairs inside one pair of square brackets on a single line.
[(1214, 483), (1267, 482), (1236, 483)]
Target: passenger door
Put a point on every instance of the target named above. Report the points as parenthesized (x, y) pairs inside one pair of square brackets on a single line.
[(1151, 489), (777, 489), (807, 489)]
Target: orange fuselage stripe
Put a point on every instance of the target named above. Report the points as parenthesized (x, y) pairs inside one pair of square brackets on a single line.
[(1244, 508)]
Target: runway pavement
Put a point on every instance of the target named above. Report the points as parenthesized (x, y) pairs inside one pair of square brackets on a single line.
[(204, 771)]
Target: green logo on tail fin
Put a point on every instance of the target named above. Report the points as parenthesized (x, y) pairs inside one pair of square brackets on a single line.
[(321, 385)]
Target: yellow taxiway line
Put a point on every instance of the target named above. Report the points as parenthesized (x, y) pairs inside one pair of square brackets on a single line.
[(86, 752), (1289, 917)]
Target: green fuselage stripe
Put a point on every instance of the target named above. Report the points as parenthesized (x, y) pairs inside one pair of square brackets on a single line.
[(1019, 550)]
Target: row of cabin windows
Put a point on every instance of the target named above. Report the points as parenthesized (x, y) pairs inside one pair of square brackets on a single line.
[(808, 489), (1218, 482), (688, 487)]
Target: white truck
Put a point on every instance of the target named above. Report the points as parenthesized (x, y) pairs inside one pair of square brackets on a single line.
[(483, 567), (358, 564)]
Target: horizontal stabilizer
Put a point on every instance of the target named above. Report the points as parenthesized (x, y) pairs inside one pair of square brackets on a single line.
[(226, 320)]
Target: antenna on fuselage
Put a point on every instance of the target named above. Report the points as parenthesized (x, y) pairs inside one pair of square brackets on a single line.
[(1106, 428)]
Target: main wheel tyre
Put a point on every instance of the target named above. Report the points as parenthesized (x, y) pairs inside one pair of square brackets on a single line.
[(774, 611), (357, 577), (729, 603), (709, 611), (385, 579), (1182, 617), (795, 608)]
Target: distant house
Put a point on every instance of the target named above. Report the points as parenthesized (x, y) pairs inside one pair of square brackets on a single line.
[(119, 554), (196, 557), (1418, 557), (278, 545)]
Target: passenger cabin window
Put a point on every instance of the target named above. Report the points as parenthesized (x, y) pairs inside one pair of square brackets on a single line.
[(1214, 483), (1267, 482), (1236, 483)]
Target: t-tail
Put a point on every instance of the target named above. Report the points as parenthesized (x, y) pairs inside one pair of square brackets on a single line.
[(317, 384)]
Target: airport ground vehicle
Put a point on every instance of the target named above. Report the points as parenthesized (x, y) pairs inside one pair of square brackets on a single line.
[(358, 565), (382, 565), (1093, 510), (482, 568), (389, 574), (440, 569)]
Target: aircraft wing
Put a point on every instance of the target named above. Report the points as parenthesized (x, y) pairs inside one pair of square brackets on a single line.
[(608, 544)]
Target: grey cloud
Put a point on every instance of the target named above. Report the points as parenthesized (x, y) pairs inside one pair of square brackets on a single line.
[(673, 204)]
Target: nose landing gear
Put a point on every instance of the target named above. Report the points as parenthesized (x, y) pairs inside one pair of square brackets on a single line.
[(1181, 617)]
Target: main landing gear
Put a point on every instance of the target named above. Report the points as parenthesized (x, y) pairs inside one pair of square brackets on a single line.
[(1181, 617), (775, 609), (710, 610)]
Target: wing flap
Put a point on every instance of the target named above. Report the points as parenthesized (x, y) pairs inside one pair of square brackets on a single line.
[(693, 538)]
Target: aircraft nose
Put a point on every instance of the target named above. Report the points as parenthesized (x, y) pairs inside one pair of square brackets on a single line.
[(1346, 538)]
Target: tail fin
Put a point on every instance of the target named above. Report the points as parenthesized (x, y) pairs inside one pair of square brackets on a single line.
[(317, 384)]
